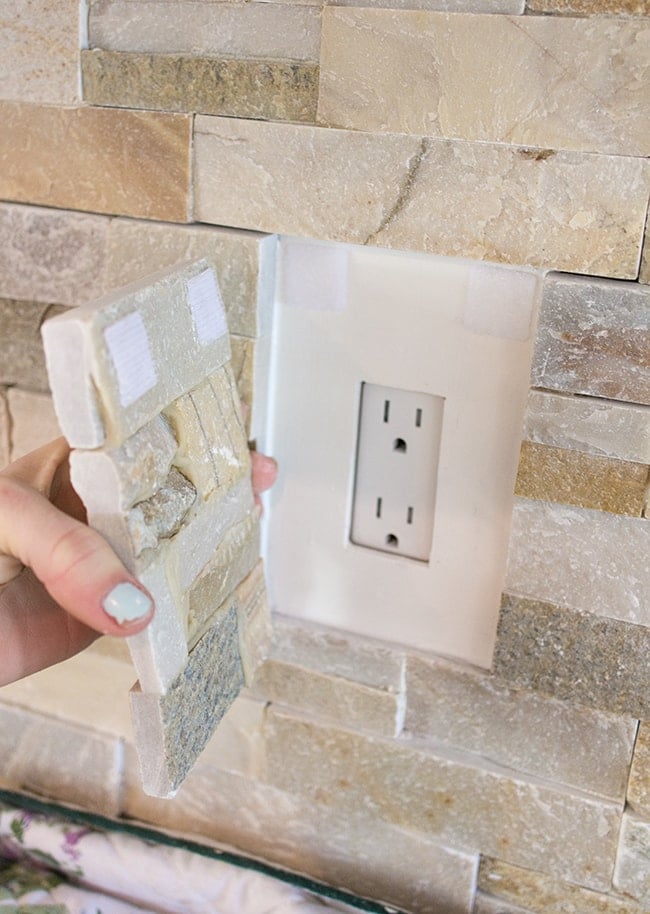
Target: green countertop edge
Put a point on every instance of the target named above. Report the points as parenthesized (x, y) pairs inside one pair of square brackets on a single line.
[(103, 823)]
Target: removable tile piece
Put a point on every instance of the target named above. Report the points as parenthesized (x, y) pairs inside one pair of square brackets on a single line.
[(163, 468)]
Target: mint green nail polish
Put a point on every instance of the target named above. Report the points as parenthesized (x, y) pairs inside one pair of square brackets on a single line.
[(126, 603)]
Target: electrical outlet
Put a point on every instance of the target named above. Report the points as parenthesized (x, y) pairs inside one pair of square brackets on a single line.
[(396, 470)]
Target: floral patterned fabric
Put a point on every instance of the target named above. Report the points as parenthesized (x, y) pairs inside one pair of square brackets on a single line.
[(51, 866)]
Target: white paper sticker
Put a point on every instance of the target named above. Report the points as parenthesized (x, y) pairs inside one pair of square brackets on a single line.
[(128, 346), (208, 312)]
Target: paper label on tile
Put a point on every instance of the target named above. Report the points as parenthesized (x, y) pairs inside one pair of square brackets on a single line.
[(128, 346), (207, 307)]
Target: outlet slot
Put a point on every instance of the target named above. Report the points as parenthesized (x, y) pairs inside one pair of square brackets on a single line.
[(396, 471)]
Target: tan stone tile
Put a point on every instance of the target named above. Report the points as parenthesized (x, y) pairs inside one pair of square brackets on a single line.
[(134, 163), (469, 710), (590, 7), (33, 421), (574, 656), (542, 894), (479, 200), (60, 760), (244, 261), (360, 853), (487, 904), (22, 360), (593, 338), (573, 478), (238, 30), (632, 875), (5, 430), (51, 256), (39, 51), (255, 623), (446, 797), (275, 90), (593, 426), (535, 95), (588, 561), (644, 274), (638, 790)]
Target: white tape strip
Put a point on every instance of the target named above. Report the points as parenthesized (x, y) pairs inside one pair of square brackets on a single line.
[(128, 346), (207, 308)]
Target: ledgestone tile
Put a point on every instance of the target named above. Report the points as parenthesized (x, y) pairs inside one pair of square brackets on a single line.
[(33, 421), (644, 274), (238, 30), (466, 709), (105, 160), (573, 478), (476, 200), (488, 904), (593, 338), (590, 425), (245, 263), (276, 90), (638, 790), (574, 656), (589, 7), (5, 430), (585, 560), (39, 51), (632, 875), (446, 797), (535, 95), (22, 360), (51, 256)]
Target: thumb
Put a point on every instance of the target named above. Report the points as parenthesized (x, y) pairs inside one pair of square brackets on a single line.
[(74, 563)]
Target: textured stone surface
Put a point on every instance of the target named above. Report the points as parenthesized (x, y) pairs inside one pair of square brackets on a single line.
[(244, 262), (160, 517), (590, 7), (57, 759), (449, 798), (573, 478), (536, 94), (39, 51), (5, 429), (133, 163), (133, 364), (590, 425), (452, 6), (33, 421), (466, 709), (255, 623), (574, 656), (585, 560), (275, 90), (22, 360), (638, 791), (566, 210), (488, 904), (644, 273), (538, 892), (239, 30), (632, 875), (593, 338), (174, 728), (51, 256)]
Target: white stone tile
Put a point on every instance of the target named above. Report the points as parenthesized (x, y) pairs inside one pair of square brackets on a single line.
[(589, 561), (594, 426)]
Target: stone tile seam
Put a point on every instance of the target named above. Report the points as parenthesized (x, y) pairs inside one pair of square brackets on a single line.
[(34, 715), (569, 393), (520, 595), (631, 765)]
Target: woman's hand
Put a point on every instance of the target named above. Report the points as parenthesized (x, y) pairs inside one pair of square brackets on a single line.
[(60, 582)]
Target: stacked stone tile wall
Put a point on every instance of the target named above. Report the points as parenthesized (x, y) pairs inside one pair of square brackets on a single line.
[(136, 134)]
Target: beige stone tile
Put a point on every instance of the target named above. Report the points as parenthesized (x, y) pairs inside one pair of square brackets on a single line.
[(451, 6), (536, 95), (595, 426), (5, 429), (573, 478), (638, 790), (446, 797), (469, 710), (542, 894), (33, 421), (593, 338), (39, 51), (360, 853), (590, 7), (632, 875), (255, 623), (588, 561), (275, 90), (133, 163), (22, 360), (51, 256), (644, 274), (488, 904), (59, 760), (565, 210), (245, 263), (574, 656), (237, 30), (250, 362)]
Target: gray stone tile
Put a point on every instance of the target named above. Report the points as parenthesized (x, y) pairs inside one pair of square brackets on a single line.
[(632, 875), (638, 790), (22, 360)]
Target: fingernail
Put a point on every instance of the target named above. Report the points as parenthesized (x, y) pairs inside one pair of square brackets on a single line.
[(126, 603)]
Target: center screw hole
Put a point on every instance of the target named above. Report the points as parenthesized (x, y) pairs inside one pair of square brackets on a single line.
[(391, 540), (399, 445)]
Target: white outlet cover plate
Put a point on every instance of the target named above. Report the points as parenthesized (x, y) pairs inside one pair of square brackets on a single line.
[(454, 328)]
